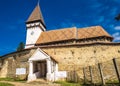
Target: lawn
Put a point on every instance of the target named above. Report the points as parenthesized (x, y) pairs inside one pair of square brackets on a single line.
[(11, 79), (63, 83), (6, 79), (5, 84)]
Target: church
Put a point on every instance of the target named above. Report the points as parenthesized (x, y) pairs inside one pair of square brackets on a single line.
[(52, 54)]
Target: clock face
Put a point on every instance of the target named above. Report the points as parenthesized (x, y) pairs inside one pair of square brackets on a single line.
[(32, 32)]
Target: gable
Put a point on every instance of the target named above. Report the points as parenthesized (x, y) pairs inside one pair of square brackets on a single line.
[(39, 55)]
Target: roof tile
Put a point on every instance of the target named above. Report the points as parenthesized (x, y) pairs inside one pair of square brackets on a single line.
[(71, 33), (57, 35)]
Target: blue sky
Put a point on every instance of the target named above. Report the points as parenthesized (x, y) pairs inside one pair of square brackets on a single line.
[(57, 14)]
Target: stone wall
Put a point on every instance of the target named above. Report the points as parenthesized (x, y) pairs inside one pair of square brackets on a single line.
[(4, 70), (13, 61), (83, 55), (70, 58), (74, 58)]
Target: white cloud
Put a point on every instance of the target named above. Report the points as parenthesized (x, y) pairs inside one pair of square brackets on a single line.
[(116, 36), (117, 28)]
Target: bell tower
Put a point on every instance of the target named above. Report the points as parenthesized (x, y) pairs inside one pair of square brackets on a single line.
[(34, 25)]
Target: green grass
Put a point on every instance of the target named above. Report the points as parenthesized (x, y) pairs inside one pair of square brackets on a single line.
[(64, 83), (12, 79), (5, 84), (7, 79), (112, 81)]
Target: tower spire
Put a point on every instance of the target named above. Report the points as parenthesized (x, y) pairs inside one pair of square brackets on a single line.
[(35, 21), (36, 15), (38, 2)]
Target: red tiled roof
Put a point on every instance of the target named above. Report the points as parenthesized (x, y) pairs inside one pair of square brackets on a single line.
[(71, 33), (90, 32), (57, 35)]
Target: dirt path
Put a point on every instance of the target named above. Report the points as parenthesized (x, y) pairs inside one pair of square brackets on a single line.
[(31, 84)]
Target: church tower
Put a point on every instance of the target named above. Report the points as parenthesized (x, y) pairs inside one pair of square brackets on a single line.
[(34, 25)]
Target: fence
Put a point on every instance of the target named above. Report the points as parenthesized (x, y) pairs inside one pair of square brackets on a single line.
[(100, 73)]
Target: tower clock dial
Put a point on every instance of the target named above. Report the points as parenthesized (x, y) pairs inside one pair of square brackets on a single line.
[(32, 32)]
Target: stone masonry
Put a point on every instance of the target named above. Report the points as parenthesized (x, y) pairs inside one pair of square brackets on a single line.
[(83, 55), (68, 57)]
